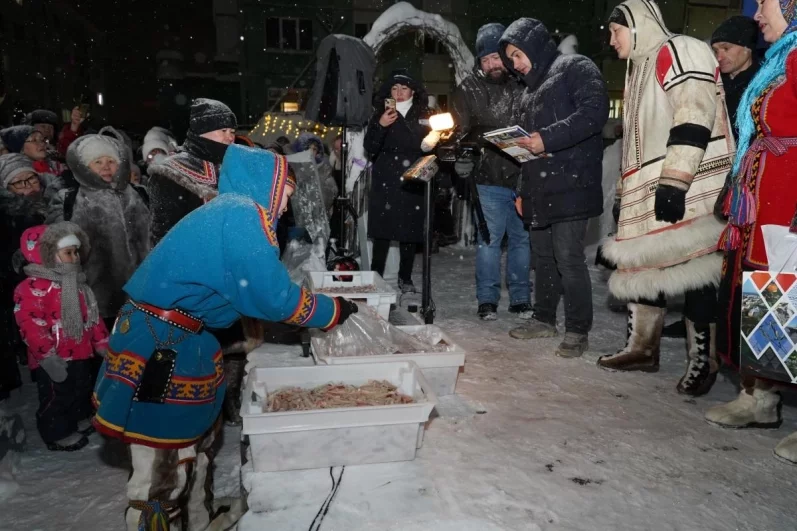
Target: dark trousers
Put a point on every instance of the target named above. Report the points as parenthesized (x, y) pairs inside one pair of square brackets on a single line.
[(561, 267), (406, 258), (700, 305), (63, 405)]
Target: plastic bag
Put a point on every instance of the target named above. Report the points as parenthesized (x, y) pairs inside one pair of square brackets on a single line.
[(300, 258), (781, 248), (366, 334)]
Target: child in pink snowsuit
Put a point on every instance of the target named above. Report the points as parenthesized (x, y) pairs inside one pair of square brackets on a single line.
[(58, 319)]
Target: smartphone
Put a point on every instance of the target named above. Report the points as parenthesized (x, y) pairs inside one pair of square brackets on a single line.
[(85, 108), (390, 103)]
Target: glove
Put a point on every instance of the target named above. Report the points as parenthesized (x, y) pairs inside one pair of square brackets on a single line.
[(55, 366), (430, 141), (616, 211), (670, 203), (464, 167), (347, 308)]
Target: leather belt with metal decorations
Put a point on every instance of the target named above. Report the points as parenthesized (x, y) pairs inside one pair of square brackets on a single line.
[(177, 318)]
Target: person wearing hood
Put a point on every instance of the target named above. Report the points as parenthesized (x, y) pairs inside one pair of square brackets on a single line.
[(485, 101), (395, 139), (162, 383), (677, 149), (764, 173), (22, 205), (564, 108), (58, 319), (159, 143), (186, 180), (110, 211)]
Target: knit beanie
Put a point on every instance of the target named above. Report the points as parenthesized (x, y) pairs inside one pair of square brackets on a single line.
[(14, 137), (210, 115), (739, 30), (487, 39), (43, 116), (12, 165), (70, 240), (618, 17), (96, 146)]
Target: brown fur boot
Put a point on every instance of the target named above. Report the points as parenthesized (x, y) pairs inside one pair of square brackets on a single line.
[(701, 359), (641, 352)]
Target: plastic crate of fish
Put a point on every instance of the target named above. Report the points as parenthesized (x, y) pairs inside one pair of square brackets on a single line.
[(317, 437), (359, 286), (440, 368)]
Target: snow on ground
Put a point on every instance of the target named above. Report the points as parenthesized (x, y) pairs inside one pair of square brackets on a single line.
[(530, 442)]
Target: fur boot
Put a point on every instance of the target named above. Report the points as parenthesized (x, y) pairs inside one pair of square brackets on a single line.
[(641, 352), (787, 449), (701, 359), (234, 372), (756, 407)]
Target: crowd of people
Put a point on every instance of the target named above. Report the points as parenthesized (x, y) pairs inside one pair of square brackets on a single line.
[(110, 268)]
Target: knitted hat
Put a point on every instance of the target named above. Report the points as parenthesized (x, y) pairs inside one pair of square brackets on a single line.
[(12, 165), (42, 116), (487, 39), (14, 137), (96, 146), (618, 17), (210, 115), (739, 30)]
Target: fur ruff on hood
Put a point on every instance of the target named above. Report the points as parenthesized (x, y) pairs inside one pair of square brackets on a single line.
[(81, 150)]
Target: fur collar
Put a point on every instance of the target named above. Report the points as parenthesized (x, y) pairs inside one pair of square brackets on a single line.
[(13, 205), (198, 176)]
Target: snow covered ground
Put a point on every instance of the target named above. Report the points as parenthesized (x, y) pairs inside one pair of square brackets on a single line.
[(530, 442)]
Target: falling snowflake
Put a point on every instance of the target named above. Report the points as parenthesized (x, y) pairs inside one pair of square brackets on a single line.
[(387, 206), (243, 283), (406, 163)]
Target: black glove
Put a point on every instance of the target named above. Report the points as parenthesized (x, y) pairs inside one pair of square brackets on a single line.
[(670, 203), (347, 308), (616, 211)]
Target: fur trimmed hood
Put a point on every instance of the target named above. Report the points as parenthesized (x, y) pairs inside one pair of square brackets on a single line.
[(39, 244), (87, 148)]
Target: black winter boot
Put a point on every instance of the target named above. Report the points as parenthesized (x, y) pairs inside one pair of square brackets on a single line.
[(701, 359)]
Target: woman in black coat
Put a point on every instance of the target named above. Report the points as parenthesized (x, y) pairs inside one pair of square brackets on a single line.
[(394, 142)]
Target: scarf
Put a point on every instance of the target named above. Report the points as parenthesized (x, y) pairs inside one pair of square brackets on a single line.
[(73, 283), (404, 107), (204, 148)]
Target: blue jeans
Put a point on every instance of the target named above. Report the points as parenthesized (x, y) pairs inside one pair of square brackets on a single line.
[(502, 218)]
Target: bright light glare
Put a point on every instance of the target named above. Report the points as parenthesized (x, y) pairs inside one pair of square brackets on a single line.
[(441, 122)]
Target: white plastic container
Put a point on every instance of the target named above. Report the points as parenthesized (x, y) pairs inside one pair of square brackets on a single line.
[(295, 440), (440, 369), (381, 299)]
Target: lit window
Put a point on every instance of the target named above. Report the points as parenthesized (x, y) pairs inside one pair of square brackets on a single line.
[(290, 106)]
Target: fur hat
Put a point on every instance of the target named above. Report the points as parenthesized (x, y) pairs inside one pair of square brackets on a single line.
[(96, 146), (42, 116), (487, 39), (12, 165), (210, 115), (40, 244), (14, 137), (739, 30), (158, 138)]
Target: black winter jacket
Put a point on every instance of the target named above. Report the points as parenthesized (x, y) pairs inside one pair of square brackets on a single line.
[(567, 103), (734, 88), (177, 186), (395, 207), (482, 105)]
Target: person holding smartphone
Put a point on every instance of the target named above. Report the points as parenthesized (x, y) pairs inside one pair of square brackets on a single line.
[(398, 134), (74, 129)]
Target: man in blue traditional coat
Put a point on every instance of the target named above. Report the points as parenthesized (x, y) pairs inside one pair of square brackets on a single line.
[(162, 383)]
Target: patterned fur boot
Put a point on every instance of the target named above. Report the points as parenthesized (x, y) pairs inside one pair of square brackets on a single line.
[(701, 359), (641, 352)]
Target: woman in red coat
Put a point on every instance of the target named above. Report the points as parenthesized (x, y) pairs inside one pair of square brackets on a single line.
[(762, 192)]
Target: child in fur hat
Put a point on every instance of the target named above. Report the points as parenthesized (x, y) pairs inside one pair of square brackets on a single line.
[(58, 319)]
